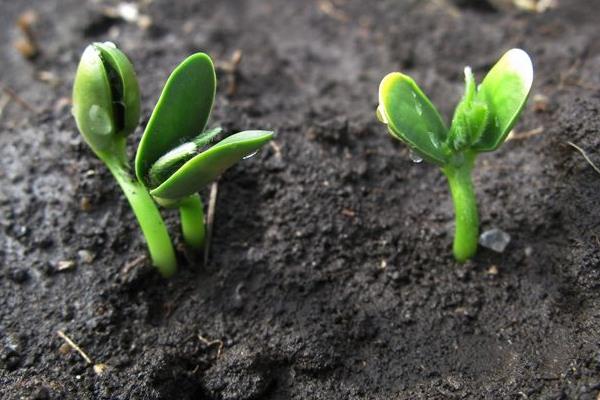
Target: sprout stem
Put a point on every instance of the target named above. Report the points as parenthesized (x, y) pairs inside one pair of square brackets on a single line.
[(466, 231), (191, 211), (145, 210)]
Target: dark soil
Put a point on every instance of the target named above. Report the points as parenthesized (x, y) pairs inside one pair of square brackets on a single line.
[(331, 274)]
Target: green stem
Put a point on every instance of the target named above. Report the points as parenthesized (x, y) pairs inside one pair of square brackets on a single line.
[(466, 231), (145, 210), (191, 211)]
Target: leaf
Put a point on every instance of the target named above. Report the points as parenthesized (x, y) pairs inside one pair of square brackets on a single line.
[(210, 164), (169, 163), (505, 90), (470, 117), (92, 102), (411, 117), (181, 112), (126, 91), (106, 97)]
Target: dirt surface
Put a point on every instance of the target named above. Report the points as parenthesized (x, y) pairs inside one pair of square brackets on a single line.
[(331, 274)]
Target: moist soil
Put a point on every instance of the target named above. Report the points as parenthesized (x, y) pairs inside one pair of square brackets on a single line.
[(330, 274)]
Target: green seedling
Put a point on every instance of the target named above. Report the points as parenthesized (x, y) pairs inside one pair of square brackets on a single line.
[(175, 159), (172, 161), (106, 107), (481, 123)]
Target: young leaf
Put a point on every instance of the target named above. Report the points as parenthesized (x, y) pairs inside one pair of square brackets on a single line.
[(210, 164), (470, 117), (167, 164), (505, 90), (93, 102), (411, 117), (181, 112), (124, 86)]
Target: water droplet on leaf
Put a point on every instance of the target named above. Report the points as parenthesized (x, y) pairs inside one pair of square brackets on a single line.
[(250, 155), (494, 239), (418, 106), (415, 157), (100, 122)]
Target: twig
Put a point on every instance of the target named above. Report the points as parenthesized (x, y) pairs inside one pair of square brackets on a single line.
[(584, 154), (569, 78), (210, 219), (525, 135), (134, 263), (348, 212), (231, 68), (18, 99), (27, 45), (4, 100), (329, 9), (210, 343), (233, 63), (75, 347), (538, 6), (565, 75)]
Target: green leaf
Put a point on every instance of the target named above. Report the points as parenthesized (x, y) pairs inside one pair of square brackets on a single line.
[(106, 97), (411, 117), (169, 163), (124, 86), (181, 112), (210, 164), (470, 117), (505, 90)]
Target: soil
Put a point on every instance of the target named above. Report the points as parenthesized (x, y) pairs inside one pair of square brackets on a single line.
[(331, 274)]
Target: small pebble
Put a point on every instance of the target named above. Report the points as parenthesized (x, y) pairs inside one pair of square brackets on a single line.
[(540, 103), (64, 349), (85, 204), (85, 256), (100, 369), (12, 343), (22, 231), (493, 270), (64, 265), (494, 239)]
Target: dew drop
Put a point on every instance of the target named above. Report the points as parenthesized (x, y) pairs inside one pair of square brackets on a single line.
[(381, 115), (419, 108), (250, 155), (415, 157), (100, 122)]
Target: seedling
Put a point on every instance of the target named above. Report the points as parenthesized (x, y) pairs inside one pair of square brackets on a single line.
[(172, 161), (481, 122)]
